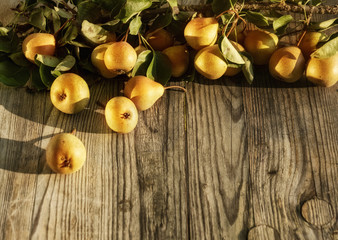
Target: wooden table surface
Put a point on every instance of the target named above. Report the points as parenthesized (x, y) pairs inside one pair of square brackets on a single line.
[(226, 160)]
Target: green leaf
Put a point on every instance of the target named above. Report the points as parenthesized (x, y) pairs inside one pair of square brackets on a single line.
[(63, 13), (257, 18), (94, 33), (247, 68), (142, 63), (46, 75), (70, 34), (111, 26), (325, 24), (174, 6), (135, 25), (66, 64), (329, 49), (88, 10), (107, 5), (159, 68), (280, 24), (4, 31), (49, 61), (219, 6), (56, 21), (36, 80), (37, 19), (13, 75), (19, 59), (229, 51), (133, 7), (161, 21)]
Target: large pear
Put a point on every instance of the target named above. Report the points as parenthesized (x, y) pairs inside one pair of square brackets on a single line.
[(143, 91), (201, 32), (210, 62), (97, 58), (323, 71), (38, 43)]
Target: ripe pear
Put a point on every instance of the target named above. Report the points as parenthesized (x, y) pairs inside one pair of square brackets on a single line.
[(120, 57), (210, 62), (260, 44), (69, 93), (309, 43), (160, 39), (287, 64), (237, 36), (121, 114), (97, 58), (201, 32), (65, 153), (179, 59), (323, 71), (38, 43), (143, 91), (231, 71)]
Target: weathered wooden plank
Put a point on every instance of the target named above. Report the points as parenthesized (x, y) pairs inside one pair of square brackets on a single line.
[(217, 160)]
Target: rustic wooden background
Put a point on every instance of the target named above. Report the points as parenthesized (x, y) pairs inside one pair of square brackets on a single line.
[(227, 160)]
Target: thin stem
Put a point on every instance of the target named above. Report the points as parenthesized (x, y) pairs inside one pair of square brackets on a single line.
[(73, 131), (178, 87), (125, 36), (63, 25), (145, 42)]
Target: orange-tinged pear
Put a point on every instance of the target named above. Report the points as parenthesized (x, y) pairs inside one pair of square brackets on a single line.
[(38, 43)]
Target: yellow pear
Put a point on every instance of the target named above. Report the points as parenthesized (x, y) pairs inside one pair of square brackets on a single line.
[(309, 43), (260, 44), (160, 39), (179, 59), (231, 71), (120, 57), (287, 64), (97, 58), (65, 153), (210, 62), (201, 32), (69, 93), (121, 114), (143, 91), (38, 43), (323, 71)]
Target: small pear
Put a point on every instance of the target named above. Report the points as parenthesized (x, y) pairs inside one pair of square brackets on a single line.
[(139, 49), (65, 153), (38, 43), (179, 59), (120, 57), (309, 43), (201, 32), (210, 62), (287, 64), (260, 44), (323, 71), (143, 91), (97, 58), (160, 39)]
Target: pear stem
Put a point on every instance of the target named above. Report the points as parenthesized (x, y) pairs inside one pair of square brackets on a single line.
[(125, 36), (308, 19), (73, 131), (63, 25), (178, 87)]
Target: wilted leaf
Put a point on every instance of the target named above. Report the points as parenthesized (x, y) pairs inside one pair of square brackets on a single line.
[(257, 18), (49, 61), (37, 19), (94, 33), (46, 75), (247, 68), (160, 68), (142, 63), (135, 25), (329, 49), (229, 51), (133, 7), (13, 75), (280, 24)]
